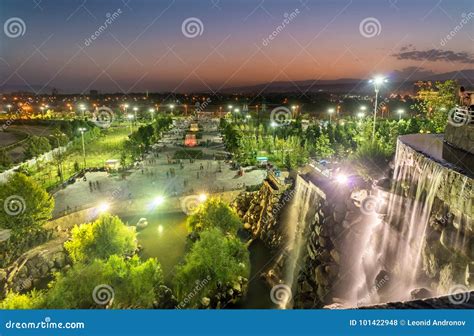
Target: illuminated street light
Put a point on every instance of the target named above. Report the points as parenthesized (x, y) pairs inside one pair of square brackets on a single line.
[(363, 108), (159, 200), (82, 130), (342, 179), (361, 115), (130, 118), (152, 112), (377, 81), (400, 112), (330, 112), (202, 197), (103, 207)]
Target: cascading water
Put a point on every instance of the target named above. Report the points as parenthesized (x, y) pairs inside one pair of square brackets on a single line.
[(299, 212), (394, 267)]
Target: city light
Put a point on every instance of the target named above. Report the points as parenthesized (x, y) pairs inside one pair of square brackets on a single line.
[(330, 112), (103, 207), (400, 112), (159, 200), (202, 197), (342, 178)]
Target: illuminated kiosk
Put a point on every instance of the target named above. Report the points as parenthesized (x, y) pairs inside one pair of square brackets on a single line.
[(194, 128), (190, 140)]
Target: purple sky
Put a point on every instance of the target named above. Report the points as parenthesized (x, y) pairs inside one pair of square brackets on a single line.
[(144, 48)]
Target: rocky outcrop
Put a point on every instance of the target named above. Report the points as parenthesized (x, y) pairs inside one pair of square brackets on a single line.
[(34, 267), (259, 211)]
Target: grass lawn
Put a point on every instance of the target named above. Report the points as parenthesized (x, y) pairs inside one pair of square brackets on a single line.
[(107, 146)]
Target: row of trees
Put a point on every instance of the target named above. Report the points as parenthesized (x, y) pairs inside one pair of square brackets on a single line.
[(140, 141)]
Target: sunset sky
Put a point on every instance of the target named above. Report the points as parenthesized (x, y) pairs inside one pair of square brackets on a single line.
[(144, 48)]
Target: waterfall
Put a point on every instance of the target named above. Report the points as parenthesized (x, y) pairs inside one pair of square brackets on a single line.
[(298, 214), (396, 246)]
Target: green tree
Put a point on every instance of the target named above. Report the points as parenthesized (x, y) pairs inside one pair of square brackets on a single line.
[(214, 213), (5, 160), (322, 147), (438, 101), (101, 239), (219, 258), (132, 283), (31, 300), (36, 146), (26, 204)]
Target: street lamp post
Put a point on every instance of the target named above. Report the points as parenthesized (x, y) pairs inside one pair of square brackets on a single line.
[(400, 112), (152, 112), (130, 118), (330, 112), (82, 130), (83, 109), (377, 81)]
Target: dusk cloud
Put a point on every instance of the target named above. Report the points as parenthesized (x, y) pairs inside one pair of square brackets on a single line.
[(434, 55)]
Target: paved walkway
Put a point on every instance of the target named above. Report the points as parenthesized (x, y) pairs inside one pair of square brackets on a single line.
[(150, 178)]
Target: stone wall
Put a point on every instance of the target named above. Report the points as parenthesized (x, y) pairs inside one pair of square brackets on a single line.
[(34, 267), (259, 211), (460, 136)]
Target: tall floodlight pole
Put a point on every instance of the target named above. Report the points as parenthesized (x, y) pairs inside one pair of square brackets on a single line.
[(377, 81), (82, 130)]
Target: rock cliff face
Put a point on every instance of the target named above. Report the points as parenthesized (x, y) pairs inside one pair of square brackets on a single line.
[(34, 267), (259, 211)]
